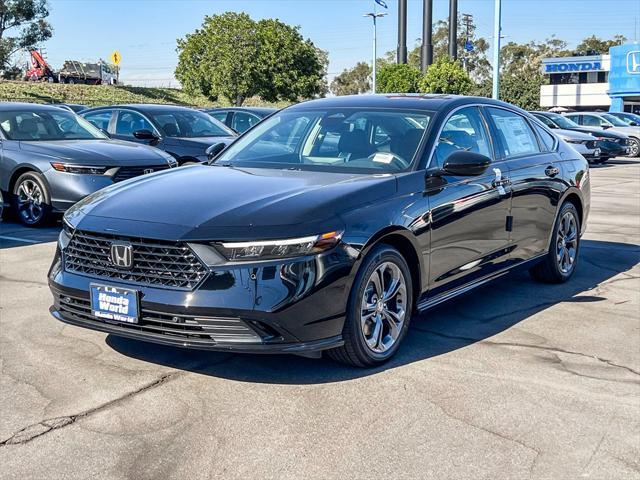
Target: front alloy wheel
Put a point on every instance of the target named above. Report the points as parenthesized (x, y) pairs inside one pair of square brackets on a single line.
[(383, 307), (378, 311), (634, 147), (31, 200)]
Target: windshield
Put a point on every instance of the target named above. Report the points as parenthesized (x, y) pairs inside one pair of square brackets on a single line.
[(563, 122), (341, 139), (190, 125), (47, 125), (614, 120)]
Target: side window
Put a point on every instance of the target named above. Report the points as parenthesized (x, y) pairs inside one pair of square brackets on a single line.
[(516, 136), (547, 139), (129, 122), (464, 130), (100, 119), (243, 121), (591, 121), (220, 116)]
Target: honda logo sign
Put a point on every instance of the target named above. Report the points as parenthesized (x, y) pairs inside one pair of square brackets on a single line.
[(121, 254), (633, 62)]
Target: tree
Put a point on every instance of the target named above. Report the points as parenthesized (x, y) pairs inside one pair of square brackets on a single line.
[(353, 81), (599, 46), (522, 90), (234, 57), (22, 25), (446, 76), (288, 65), (398, 79)]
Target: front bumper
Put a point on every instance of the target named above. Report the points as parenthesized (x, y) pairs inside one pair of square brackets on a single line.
[(297, 306)]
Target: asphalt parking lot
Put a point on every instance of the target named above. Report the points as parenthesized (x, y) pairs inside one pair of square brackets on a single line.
[(515, 380)]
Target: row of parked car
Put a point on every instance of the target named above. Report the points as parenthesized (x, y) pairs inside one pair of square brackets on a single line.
[(616, 134), (43, 144)]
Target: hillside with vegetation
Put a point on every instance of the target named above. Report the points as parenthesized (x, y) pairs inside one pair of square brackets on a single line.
[(94, 95)]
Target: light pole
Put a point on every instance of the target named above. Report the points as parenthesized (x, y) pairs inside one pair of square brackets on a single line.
[(375, 17)]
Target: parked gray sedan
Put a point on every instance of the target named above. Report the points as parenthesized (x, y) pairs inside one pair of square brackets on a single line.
[(51, 158)]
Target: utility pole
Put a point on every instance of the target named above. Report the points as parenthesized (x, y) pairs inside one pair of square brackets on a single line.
[(467, 22), (375, 17), (453, 29), (402, 31), (497, 27), (426, 52)]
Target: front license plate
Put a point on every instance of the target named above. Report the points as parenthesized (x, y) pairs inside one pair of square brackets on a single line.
[(114, 304)]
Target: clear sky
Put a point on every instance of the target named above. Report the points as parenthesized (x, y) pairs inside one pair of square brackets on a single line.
[(145, 31)]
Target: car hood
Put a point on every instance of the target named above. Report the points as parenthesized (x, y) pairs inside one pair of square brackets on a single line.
[(573, 135), (599, 132), (631, 131), (203, 202), (97, 152), (201, 143)]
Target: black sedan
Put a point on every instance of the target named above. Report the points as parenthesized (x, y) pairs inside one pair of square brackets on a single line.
[(182, 132), (611, 144), (51, 158), (240, 119), (326, 228)]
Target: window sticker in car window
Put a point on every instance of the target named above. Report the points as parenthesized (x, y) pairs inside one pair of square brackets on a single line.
[(383, 157), (516, 134)]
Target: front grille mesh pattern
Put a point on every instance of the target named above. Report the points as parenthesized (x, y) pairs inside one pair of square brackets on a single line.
[(125, 173), (157, 263), (205, 330)]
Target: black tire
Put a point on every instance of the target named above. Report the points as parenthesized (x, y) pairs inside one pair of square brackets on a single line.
[(549, 270), (634, 147), (355, 351), (22, 212)]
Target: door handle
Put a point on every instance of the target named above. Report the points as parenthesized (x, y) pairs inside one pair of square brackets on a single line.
[(551, 171)]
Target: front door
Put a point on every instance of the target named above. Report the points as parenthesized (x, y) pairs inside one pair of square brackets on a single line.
[(469, 239)]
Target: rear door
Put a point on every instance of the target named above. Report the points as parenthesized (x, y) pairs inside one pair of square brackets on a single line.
[(468, 214), (535, 176)]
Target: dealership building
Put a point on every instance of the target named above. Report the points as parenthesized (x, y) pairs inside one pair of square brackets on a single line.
[(607, 82)]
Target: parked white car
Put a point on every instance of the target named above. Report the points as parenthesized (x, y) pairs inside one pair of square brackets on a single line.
[(583, 143), (607, 121)]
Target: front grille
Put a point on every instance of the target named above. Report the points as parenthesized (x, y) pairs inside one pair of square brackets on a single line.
[(591, 144), (125, 173), (158, 263), (189, 328)]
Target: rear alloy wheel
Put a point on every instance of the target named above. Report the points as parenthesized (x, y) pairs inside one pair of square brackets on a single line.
[(379, 310), (634, 147), (560, 263), (32, 200)]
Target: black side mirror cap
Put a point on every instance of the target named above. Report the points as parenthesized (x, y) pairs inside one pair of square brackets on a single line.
[(145, 134), (214, 150), (633, 124), (466, 164)]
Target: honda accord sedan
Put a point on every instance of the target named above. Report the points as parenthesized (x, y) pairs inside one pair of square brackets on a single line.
[(182, 132), (325, 228), (51, 158)]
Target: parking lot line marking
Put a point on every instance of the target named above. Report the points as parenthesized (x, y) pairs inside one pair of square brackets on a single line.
[(16, 239)]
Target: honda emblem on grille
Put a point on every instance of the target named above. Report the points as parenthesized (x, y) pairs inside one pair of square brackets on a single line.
[(121, 254), (148, 170)]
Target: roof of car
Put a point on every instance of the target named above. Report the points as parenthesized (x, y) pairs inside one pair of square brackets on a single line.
[(145, 107), (258, 110), (414, 101), (9, 106)]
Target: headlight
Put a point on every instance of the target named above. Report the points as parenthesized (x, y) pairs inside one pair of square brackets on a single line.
[(271, 249), (65, 235), (85, 169), (570, 140)]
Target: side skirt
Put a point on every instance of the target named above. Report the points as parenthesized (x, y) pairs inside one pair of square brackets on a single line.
[(443, 297)]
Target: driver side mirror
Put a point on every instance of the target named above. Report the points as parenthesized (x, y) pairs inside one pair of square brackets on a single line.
[(214, 150), (633, 124), (463, 163), (145, 134)]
